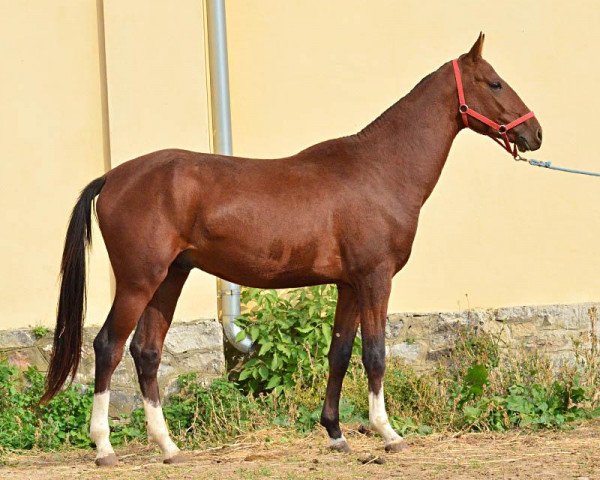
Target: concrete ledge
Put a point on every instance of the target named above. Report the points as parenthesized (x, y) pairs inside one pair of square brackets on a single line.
[(422, 338), (195, 346)]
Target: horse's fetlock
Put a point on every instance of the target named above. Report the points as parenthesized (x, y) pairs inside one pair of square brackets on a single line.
[(329, 422), (98, 434), (378, 421)]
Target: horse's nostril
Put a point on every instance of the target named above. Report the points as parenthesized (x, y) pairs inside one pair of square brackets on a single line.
[(539, 135)]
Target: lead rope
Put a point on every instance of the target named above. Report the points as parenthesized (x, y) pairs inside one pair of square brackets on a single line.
[(548, 165)]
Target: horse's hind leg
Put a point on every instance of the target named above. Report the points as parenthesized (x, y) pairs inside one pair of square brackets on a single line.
[(146, 349), (130, 301)]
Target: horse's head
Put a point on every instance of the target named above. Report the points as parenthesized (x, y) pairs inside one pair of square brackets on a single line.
[(487, 93)]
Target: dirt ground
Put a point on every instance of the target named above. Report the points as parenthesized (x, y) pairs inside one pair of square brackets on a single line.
[(568, 454)]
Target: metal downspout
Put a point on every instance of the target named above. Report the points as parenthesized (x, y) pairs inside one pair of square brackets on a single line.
[(228, 293)]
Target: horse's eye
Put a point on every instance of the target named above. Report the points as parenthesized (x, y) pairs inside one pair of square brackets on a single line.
[(495, 85)]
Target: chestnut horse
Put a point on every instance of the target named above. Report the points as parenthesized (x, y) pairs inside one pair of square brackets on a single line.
[(344, 211)]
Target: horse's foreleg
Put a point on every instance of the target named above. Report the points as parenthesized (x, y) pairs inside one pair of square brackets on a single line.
[(146, 349), (344, 331), (373, 318)]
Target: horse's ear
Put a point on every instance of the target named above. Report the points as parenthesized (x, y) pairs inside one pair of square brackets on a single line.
[(475, 52)]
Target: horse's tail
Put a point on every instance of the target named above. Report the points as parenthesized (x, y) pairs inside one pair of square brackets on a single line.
[(66, 352)]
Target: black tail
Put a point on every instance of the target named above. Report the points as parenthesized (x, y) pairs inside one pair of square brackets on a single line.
[(71, 304)]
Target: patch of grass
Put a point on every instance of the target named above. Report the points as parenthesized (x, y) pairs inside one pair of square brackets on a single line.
[(478, 387), (40, 331)]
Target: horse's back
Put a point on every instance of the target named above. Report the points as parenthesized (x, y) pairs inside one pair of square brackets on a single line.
[(270, 220), (268, 211)]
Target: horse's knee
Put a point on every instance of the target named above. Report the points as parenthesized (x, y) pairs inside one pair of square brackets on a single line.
[(135, 348), (150, 360), (339, 355), (374, 360)]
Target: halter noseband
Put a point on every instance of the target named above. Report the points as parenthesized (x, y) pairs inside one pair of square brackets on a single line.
[(466, 111)]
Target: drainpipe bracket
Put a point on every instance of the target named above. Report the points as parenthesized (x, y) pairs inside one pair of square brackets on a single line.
[(229, 293)]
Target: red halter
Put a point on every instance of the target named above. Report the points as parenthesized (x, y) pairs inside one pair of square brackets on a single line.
[(465, 111)]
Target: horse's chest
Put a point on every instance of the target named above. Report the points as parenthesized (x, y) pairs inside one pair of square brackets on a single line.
[(392, 239)]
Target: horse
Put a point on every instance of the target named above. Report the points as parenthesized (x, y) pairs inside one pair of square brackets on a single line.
[(344, 211)]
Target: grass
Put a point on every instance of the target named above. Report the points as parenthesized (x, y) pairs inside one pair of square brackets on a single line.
[(479, 387)]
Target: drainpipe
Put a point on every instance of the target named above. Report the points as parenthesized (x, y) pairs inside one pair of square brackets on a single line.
[(228, 293)]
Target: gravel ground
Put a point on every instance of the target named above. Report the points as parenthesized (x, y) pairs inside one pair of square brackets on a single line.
[(567, 454)]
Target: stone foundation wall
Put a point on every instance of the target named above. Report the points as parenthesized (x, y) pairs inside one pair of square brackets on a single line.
[(189, 347), (421, 339)]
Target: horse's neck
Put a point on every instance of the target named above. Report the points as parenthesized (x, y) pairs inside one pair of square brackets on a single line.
[(409, 143)]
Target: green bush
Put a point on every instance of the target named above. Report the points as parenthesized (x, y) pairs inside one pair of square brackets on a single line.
[(24, 424), (480, 387), (292, 333), (525, 390), (199, 414)]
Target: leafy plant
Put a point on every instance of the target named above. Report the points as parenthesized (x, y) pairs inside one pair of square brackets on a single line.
[(292, 333), (24, 424), (40, 331), (213, 413), (479, 386), (474, 382)]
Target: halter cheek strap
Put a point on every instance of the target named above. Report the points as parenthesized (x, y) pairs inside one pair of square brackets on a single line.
[(466, 112)]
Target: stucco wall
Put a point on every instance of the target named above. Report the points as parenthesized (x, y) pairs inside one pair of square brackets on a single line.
[(87, 85), (52, 146), (494, 233), (158, 97)]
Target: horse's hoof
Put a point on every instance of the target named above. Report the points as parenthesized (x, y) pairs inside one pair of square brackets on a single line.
[(109, 460), (178, 458), (397, 446), (340, 445)]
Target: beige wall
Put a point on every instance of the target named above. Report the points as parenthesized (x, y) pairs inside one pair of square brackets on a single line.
[(301, 72), (158, 97), (58, 101), (52, 146), (498, 232)]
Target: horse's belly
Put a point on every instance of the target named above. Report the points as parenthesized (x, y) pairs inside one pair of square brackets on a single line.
[(273, 263)]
